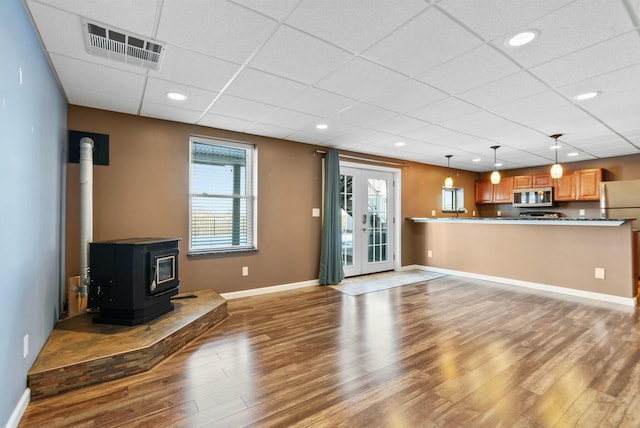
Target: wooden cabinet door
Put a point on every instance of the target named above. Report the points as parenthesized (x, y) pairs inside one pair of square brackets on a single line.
[(484, 192), (564, 188), (522, 182), (588, 184), (542, 180), (503, 191)]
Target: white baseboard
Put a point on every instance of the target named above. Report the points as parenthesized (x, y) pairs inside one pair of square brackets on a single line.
[(267, 290), (628, 301), (19, 410)]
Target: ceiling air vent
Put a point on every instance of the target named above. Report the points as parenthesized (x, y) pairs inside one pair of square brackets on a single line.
[(113, 43)]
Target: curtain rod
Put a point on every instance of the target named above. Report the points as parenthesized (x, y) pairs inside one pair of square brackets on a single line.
[(322, 152)]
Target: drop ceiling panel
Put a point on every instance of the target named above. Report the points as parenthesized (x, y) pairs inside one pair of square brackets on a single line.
[(364, 114), (576, 26), (319, 102), (611, 83), (225, 122), (298, 56), (275, 9), (289, 119), (89, 98), (510, 88), (472, 69), (263, 87), (406, 96), (602, 58), (195, 69), (97, 78), (269, 130), (398, 124), (358, 137), (307, 137), (239, 31), (241, 108), (428, 133), (495, 18), (198, 99), (423, 43), (532, 105), (443, 110), (162, 111), (360, 79), (353, 25)]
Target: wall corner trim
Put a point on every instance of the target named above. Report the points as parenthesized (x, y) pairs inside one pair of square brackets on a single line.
[(268, 290), (19, 410), (627, 301)]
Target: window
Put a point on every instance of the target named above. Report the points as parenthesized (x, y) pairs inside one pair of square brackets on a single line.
[(452, 199), (222, 196)]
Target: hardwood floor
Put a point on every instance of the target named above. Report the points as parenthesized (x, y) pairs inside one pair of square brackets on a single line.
[(450, 352)]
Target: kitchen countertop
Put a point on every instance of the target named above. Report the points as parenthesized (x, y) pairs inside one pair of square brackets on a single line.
[(563, 221)]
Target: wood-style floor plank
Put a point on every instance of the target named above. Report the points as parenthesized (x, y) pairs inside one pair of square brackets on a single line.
[(445, 353)]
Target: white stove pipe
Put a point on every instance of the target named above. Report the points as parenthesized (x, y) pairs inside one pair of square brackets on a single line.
[(86, 210)]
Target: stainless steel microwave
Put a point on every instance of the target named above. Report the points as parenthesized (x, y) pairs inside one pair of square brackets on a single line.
[(541, 197)]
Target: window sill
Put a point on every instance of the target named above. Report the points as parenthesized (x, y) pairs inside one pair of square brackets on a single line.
[(225, 252)]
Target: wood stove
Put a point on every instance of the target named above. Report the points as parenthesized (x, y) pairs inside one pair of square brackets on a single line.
[(133, 280)]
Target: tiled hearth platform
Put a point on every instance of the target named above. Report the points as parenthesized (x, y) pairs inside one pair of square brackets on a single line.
[(79, 353)]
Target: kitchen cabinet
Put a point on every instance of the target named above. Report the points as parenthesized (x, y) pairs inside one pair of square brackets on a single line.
[(484, 192), (541, 180), (522, 182), (503, 191), (581, 185), (487, 193)]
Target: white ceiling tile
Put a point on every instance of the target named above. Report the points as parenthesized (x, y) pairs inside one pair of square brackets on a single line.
[(360, 79), (307, 137), (578, 25), (279, 9), (611, 83), (354, 24), (289, 119), (563, 120), (98, 78), (263, 87), (269, 130), (225, 122), (230, 106), (406, 96), (446, 109), (593, 61), (240, 32), (494, 18), (334, 129), (319, 102), (359, 137), (139, 19), (621, 111), (510, 88), (298, 56), (162, 111), (194, 69), (89, 98), (470, 70), (398, 124), (531, 105), (476, 122), (197, 99), (423, 43), (428, 133), (364, 114)]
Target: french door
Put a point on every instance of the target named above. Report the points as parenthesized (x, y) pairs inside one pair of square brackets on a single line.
[(367, 218)]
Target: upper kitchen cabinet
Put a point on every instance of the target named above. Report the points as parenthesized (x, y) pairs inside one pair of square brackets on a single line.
[(582, 185), (522, 182), (501, 193), (541, 180)]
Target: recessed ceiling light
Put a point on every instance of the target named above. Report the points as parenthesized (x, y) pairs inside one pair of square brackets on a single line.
[(497, 164), (556, 147), (400, 143), (476, 160), (522, 38), (176, 96), (322, 126), (587, 96), (573, 154)]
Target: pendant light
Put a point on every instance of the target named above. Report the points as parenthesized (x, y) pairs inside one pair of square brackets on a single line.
[(556, 168), (495, 175), (448, 182)]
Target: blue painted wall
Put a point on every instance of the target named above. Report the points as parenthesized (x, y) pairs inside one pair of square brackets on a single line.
[(33, 118)]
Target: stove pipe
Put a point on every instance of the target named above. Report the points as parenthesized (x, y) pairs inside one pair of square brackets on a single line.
[(86, 210)]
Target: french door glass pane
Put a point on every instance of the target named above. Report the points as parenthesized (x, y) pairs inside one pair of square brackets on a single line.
[(378, 225), (346, 210)]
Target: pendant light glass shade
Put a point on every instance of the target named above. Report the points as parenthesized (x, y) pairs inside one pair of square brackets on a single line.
[(556, 168), (448, 182), (495, 175)]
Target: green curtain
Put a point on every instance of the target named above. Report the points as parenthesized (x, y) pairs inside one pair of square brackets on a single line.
[(331, 250)]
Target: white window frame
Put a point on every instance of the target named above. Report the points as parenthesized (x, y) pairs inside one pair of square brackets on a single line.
[(251, 198)]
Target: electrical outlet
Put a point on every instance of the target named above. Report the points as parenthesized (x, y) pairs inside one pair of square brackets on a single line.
[(600, 273), (581, 213), (25, 346), (499, 213), (474, 213), (433, 213), (245, 270), (315, 212), (429, 253)]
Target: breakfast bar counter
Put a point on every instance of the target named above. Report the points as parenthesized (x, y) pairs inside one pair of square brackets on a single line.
[(589, 257)]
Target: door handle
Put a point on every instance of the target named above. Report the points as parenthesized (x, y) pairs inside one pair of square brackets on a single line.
[(364, 219)]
